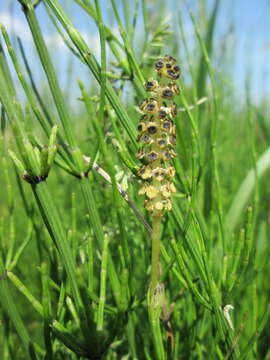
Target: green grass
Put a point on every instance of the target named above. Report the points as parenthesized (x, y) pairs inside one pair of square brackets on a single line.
[(75, 248)]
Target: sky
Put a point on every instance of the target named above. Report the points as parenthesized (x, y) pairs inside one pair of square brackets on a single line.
[(243, 26), (250, 21)]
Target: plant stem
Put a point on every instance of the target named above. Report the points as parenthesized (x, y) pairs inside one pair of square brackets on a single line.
[(48, 67), (54, 225), (155, 256), (155, 292)]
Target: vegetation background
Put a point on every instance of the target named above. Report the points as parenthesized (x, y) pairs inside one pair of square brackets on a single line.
[(75, 239)]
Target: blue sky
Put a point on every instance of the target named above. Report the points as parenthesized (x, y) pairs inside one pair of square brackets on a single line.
[(250, 20), (243, 23)]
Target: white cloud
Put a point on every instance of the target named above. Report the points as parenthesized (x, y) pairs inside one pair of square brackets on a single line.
[(15, 26), (57, 41), (93, 42), (54, 40)]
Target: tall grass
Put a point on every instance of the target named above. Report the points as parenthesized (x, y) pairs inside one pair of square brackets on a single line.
[(75, 257)]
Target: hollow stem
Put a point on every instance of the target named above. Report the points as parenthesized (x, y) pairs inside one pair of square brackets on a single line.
[(155, 257), (156, 291)]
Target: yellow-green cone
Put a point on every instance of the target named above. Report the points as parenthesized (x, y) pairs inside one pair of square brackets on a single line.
[(157, 136)]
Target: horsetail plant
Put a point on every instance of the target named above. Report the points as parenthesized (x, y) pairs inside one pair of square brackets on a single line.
[(86, 286), (157, 136)]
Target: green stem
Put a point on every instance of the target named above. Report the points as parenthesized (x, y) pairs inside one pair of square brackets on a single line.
[(156, 294), (91, 62), (8, 304), (54, 225), (103, 276), (155, 256)]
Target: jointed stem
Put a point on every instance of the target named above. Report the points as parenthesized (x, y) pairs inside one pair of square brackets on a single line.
[(155, 292), (155, 257)]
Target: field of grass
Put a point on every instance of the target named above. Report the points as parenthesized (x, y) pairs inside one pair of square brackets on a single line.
[(75, 250)]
